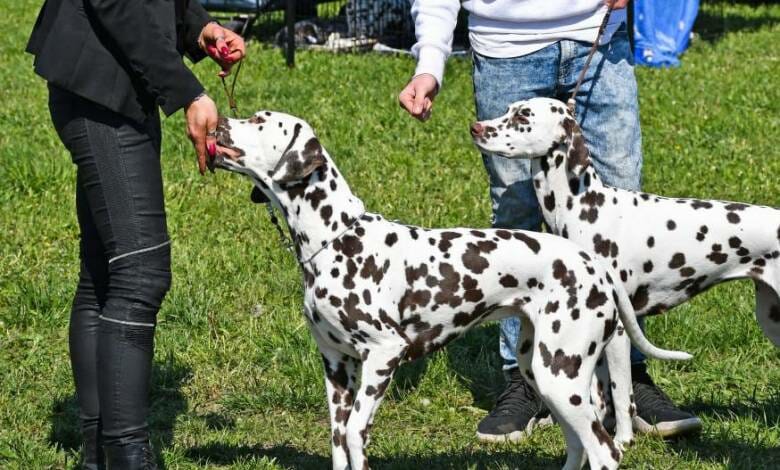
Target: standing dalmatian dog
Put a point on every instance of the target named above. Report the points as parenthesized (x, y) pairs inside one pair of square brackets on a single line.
[(377, 293), (665, 250)]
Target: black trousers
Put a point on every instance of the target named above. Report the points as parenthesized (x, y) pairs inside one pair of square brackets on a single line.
[(125, 263)]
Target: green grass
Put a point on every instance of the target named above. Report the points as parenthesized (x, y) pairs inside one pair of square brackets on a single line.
[(237, 385)]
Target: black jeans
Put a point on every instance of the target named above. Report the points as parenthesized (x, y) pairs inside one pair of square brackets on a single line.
[(125, 263)]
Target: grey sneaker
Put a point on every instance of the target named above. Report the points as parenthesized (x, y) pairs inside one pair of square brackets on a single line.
[(656, 414), (517, 412)]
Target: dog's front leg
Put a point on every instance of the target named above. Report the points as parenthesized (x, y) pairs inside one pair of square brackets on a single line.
[(340, 373), (377, 371)]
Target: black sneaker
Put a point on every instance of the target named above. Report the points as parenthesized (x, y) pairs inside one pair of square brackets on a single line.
[(656, 414), (517, 412)]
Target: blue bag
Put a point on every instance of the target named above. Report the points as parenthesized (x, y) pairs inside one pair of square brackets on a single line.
[(662, 30)]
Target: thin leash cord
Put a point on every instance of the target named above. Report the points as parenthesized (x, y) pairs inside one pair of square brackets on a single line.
[(572, 100), (231, 96), (231, 93)]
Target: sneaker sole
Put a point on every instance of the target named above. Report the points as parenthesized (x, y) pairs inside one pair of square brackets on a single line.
[(667, 429), (517, 436)]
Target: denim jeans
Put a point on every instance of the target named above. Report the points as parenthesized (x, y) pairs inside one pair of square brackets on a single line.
[(607, 111)]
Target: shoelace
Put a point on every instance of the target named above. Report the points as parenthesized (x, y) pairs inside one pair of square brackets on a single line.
[(651, 397), (518, 395)]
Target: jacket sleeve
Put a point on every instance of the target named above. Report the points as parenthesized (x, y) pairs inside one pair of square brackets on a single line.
[(195, 18), (151, 55), (434, 26)]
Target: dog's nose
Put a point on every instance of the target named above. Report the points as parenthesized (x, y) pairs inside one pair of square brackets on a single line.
[(477, 129)]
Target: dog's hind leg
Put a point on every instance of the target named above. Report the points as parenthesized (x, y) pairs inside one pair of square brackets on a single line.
[(340, 373), (377, 371), (617, 353), (567, 393), (768, 310)]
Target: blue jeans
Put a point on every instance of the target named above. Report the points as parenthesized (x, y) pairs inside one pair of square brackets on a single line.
[(607, 111)]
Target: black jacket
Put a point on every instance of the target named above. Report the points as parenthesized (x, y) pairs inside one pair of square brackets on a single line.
[(125, 55)]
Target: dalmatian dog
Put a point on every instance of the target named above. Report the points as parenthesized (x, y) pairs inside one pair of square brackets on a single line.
[(664, 250), (377, 293)]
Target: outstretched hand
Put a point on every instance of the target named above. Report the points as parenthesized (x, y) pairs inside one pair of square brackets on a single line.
[(223, 45), (417, 97)]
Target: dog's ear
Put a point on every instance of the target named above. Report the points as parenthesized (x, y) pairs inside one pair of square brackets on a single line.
[(257, 196), (578, 154), (298, 164)]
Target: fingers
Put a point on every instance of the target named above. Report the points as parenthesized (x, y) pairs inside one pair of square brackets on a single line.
[(202, 117), (198, 138), (406, 99)]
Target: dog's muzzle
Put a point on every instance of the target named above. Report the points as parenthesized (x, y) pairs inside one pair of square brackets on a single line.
[(225, 161)]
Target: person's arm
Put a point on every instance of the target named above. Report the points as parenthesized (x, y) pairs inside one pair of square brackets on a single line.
[(152, 57), (195, 19), (434, 26)]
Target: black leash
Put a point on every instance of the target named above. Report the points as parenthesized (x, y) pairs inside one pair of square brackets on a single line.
[(231, 93), (231, 96), (572, 102)]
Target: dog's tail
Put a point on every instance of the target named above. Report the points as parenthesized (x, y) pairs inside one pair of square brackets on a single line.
[(628, 317)]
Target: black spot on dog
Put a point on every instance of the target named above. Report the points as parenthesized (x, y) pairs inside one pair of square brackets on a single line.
[(446, 238), (326, 213), (677, 261), (508, 281), (350, 245), (549, 202), (575, 400), (609, 328), (733, 217), (648, 266), (412, 274), (525, 347), (531, 242), (596, 298), (697, 204), (650, 242), (556, 326), (592, 348), (736, 206), (551, 307), (671, 224), (473, 259), (391, 238), (560, 362), (717, 256), (640, 298), (604, 439)]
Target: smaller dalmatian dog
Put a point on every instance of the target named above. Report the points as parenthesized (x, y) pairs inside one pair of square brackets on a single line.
[(666, 250), (377, 293)]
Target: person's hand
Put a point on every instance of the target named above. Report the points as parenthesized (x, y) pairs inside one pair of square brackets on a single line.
[(616, 4), (202, 117), (222, 45), (417, 97)]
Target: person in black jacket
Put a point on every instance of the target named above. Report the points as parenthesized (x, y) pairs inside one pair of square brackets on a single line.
[(109, 64)]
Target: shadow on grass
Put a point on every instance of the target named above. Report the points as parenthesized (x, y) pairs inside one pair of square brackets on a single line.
[(290, 457), (167, 402), (713, 24), (474, 359), (751, 450)]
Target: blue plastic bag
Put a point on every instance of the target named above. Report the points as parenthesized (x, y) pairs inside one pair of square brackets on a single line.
[(662, 30)]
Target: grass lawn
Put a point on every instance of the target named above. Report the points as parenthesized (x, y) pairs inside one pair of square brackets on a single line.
[(237, 379)]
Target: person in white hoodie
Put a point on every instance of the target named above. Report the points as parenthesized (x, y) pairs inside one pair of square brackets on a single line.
[(524, 49)]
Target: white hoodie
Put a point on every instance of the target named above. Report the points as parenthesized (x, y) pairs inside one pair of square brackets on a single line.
[(504, 28)]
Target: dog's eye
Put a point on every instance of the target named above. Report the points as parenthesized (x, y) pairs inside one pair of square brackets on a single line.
[(519, 118)]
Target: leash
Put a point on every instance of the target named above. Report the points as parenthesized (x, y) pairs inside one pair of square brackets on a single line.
[(572, 103), (231, 96), (231, 93), (349, 227)]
